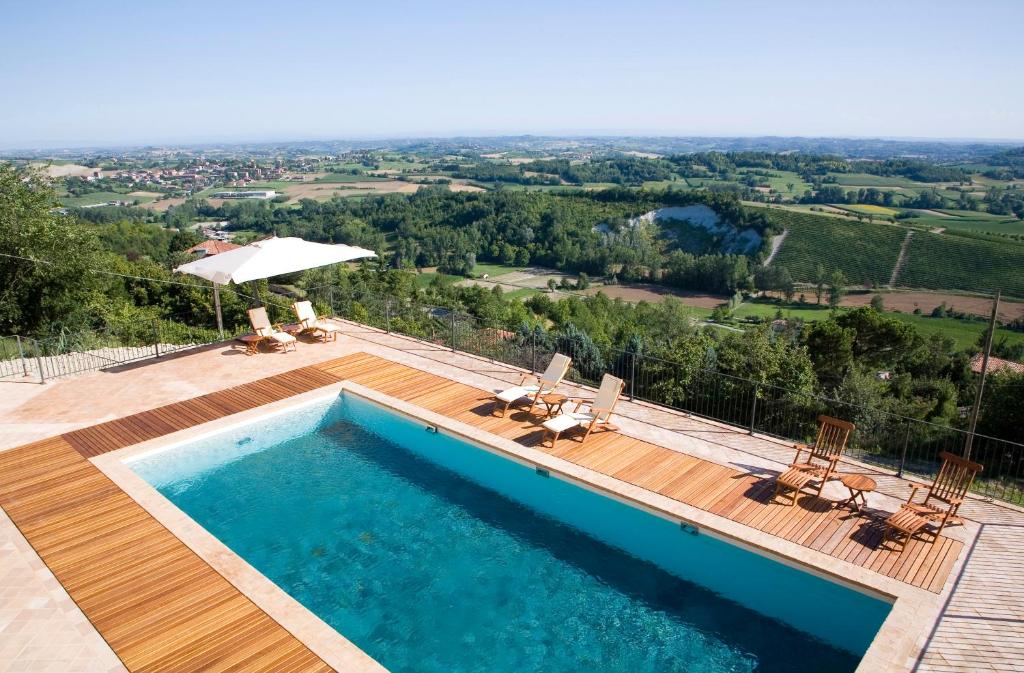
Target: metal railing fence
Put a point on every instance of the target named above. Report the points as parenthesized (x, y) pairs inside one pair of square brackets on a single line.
[(898, 443), (85, 350), (907, 446)]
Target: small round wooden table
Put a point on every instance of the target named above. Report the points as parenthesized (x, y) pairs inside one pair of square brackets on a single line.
[(553, 402), (858, 485), (252, 343)]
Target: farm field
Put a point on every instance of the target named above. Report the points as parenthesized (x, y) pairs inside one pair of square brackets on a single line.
[(937, 261), (425, 278), (93, 199), (62, 169), (164, 204), (532, 278), (493, 270), (636, 292), (864, 252), (869, 180), (144, 197), (968, 220), (523, 293), (907, 301), (345, 177), (780, 181), (868, 209), (964, 332), (325, 191)]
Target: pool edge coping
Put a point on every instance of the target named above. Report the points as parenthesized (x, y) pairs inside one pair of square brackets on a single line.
[(323, 640), (895, 646)]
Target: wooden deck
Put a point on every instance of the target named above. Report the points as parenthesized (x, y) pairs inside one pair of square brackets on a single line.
[(158, 605), (721, 490), (162, 608)]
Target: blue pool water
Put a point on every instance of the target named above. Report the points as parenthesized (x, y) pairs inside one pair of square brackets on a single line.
[(432, 554)]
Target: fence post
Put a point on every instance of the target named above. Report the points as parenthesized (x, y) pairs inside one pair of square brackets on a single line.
[(387, 314), (452, 316), (156, 340), (632, 376), (39, 363), (330, 300), (903, 454), (534, 359), (21, 354), (753, 407)]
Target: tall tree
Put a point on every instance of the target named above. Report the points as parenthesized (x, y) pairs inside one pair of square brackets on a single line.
[(836, 288), (46, 277), (819, 282)]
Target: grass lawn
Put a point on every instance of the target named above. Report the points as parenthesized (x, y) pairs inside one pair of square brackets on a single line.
[(964, 332), (522, 293), (425, 279), (493, 269), (764, 310)]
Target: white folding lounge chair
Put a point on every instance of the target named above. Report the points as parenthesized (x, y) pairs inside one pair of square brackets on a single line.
[(545, 384), (311, 323), (597, 414), (269, 332)]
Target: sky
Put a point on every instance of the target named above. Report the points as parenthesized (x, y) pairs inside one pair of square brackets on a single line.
[(98, 73)]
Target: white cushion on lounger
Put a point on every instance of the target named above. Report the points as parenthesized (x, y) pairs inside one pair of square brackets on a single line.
[(514, 393), (282, 337), (561, 423)]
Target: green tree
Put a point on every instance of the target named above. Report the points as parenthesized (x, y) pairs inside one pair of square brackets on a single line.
[(878, 303), (836, 288), (831, 350), (1002, 410), (820, 278), (46, 274)]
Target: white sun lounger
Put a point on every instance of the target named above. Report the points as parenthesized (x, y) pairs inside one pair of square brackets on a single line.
[(262, 326), (311, 323), (546, 383), (597, 414)]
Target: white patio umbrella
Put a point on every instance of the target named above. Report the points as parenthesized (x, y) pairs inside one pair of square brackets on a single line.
[(263, 259)]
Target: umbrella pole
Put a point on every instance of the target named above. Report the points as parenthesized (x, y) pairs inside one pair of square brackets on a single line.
[(216, 303)]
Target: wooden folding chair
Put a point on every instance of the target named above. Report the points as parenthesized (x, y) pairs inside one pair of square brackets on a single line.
[(940, 505), (598, 413), (820, 463)]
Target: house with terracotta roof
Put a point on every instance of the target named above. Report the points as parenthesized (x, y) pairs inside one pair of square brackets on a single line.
[(996, 364), (211, 247)]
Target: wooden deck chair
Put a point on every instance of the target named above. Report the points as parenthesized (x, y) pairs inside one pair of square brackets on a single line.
[(545, 384), (819, 465), (597, 415), (269, 332), (940, 505), (312, 323)]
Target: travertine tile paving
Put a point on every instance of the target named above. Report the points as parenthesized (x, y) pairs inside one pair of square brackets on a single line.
[(41, 628), (979, 630)]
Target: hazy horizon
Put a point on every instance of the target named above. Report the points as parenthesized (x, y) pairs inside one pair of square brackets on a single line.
[(107, 75)]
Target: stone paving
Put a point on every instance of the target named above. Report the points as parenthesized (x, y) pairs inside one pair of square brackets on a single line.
[(981, 627)]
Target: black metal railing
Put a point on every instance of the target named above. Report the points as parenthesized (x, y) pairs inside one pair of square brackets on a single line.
[(78, 351), (906, 446)]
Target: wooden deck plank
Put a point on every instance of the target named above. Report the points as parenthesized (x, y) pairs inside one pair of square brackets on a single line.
[(162, 608), (709, 486)]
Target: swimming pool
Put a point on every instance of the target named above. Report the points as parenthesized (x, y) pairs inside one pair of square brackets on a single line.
[(433, 554)]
